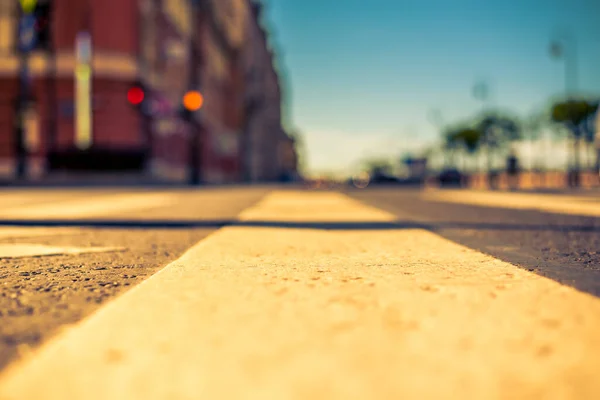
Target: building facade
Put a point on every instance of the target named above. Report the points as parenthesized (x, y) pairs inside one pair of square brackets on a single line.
[(218, 47), (166, 43), (289, 163), (264, 136), (116, 137), (223, 86)]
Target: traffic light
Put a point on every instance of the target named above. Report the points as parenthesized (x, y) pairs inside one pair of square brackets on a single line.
[(137, 97), (191, 102), (43, 17)]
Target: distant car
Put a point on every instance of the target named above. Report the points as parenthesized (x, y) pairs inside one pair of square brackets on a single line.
[(412, 181), (451, 177), (383, 178)]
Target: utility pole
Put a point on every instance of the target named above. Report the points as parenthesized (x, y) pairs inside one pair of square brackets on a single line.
[(564, 47), (51, 88), (481, 92), (250, 110), (252, 106), (193, 101), (436, 118), (27, 41)]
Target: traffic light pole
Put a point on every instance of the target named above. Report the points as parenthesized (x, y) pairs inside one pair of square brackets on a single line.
[(33, 32), (195, 148), (52, 97), (22, 99), (194, 126), (250, 111), (195, 61)]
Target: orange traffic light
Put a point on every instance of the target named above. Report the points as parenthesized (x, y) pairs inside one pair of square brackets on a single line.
[(192, 101)]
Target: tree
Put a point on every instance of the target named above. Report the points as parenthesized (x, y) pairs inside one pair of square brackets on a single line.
[(497, 131), (468, 139), (589, 130), (450, 146), (533, 128), (301, 152), (574, 114)]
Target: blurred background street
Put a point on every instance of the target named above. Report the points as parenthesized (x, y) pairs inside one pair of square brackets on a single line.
[(209, 92)]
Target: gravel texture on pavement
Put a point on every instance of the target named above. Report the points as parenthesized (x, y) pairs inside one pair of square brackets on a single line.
[(41, 295), (38, 295)]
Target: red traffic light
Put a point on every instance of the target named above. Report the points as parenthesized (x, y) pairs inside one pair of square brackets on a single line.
[(135, 95)]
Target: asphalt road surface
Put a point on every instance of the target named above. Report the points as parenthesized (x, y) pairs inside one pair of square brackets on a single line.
[(564, 247), (42, 294), (291, 293)]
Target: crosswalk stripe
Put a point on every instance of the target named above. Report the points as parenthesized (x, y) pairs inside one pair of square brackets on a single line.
[(332, 207), (21, 250), (29, 232), (90, 207), (571, 205), (273, 313), (11, 199)]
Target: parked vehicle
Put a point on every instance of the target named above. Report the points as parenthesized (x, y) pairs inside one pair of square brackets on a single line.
[(383, 178), (451, 177)]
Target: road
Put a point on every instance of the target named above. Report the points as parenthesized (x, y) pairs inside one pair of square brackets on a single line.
[(291, 293), (557, 236), (144, 230)]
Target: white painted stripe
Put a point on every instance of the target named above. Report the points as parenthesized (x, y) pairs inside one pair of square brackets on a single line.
[(270, 313), (91, 207), (328, 209), (10, 233), (35, 250), (30, 198), (572, 205)]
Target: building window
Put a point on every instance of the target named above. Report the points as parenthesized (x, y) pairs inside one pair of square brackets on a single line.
[(179, 12), (8, 27)]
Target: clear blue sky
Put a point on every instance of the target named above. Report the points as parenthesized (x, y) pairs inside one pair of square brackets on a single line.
[(363, 75)]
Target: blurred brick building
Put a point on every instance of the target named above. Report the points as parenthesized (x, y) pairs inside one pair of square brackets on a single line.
[(265, 139), (170, 46), (288, 158), (115, 41)]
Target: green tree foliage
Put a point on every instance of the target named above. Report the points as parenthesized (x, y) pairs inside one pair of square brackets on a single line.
[(469, 139), (450, 139), (499, 130), (576, 115), (573, 114), (461, 139)]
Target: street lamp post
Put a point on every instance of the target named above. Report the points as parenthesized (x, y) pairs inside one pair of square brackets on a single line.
[(26, 36), (251, 108), (436, 118), (565, 48), (481, 92), (194, 81)]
